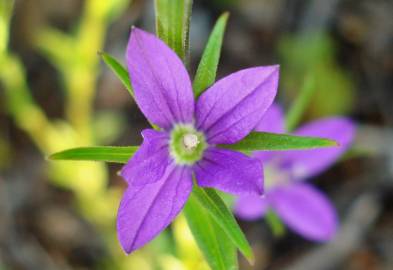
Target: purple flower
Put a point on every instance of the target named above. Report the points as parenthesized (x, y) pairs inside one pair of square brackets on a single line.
[(160, 175), (302, 207)]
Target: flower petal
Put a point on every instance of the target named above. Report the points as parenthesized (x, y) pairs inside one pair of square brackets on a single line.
[(150, 161), (272, 121), (161, 83), (147, 210), (305, 210), (229, 171), (307, 163), (250, 207), (232, 107)]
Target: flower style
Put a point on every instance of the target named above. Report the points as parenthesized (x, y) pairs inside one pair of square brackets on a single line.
[(302, 207), (160, 174)]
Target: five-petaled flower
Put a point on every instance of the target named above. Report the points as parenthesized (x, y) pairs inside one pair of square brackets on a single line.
[(302, 207), (160, 175)]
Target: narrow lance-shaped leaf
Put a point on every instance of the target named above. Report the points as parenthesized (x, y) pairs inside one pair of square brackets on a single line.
[(120, 71), (224, 217), (300, 104), (272, 141), (207, 68), (173, 23), (218, 249), (113, 154)]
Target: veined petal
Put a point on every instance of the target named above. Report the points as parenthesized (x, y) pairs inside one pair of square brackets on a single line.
[(147, 210), (250, 207), (307, 163), (229, 171), (272, 121), (161, 83), (232, 107), (305, 210), (150, 161)]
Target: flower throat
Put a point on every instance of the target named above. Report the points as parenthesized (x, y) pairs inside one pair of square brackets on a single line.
[(186, 144)]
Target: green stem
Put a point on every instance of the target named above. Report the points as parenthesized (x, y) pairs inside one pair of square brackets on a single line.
[(275, 224)]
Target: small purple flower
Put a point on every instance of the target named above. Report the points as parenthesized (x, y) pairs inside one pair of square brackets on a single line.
[(302, 207), (160, 175)]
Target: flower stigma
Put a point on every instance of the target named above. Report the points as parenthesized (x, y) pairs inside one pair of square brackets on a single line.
[(190, 141), (187, 145)]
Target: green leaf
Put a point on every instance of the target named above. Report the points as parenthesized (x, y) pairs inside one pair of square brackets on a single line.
[(113, 154), (300, 104), (218, 249), (207, 69), (224, 217), (120, 71), (173, 24), (272, 141)]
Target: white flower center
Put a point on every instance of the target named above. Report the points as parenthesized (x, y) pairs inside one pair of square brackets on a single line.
[(190, 141)]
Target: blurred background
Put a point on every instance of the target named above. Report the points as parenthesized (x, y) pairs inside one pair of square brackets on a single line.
[(56, 93)]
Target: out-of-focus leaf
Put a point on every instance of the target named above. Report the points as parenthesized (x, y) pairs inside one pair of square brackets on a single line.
[(315, 55), (115, 154), (275, 223), (272, 141), (300, 104), (173, 24), (216, 246), (120, 71), (207, 68), (224, 217)]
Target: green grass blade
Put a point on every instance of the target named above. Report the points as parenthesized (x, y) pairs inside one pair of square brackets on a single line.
[(120, 71), (272, 142), (218, 249), (207, 68), (224, 217), (113, 154)]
